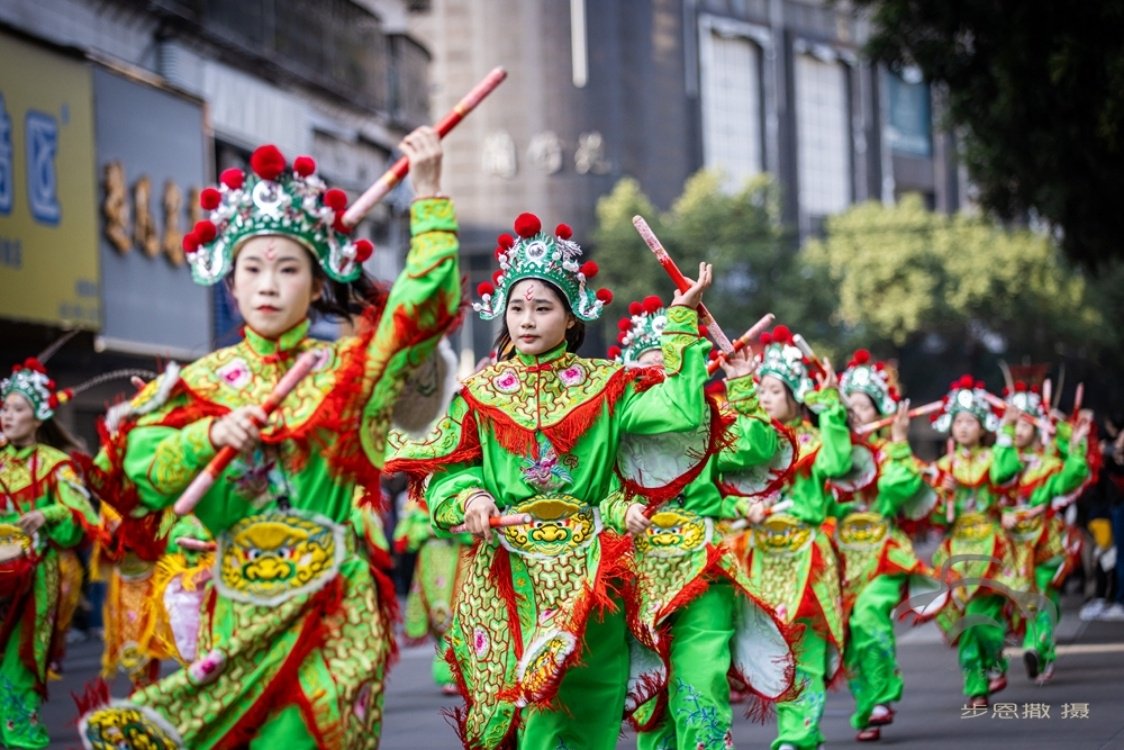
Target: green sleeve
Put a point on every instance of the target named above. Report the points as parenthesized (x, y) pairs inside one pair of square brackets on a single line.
[(678, 403), (752, 438), (421, 306), (162, 461), (1074, 471), (834, 457), (898, 478), (1005, 463), (70, 512), (450, 489), (614, 508), (412, 530)]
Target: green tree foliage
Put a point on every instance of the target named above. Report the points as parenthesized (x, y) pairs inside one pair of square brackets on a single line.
[(1035, 89), (739, 232)]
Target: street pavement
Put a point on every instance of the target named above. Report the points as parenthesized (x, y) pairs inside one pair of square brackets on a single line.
[(1082, 709)]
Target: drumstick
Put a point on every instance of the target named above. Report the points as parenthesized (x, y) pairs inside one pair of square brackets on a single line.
[(497, 522), (196, 545), (741, 342), (199, 486), (917, 411), (394, 175)]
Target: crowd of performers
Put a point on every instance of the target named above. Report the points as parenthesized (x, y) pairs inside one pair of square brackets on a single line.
[(598, 539)]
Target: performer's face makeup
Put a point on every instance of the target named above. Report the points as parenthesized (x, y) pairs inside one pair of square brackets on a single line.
[(17, 421), (274, 284), (860, 409), (1025, 434), (966, 430), (536, 318), (775, 400)]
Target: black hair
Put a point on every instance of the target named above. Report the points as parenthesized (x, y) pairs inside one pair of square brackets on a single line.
[(575, 334), (52, 433)]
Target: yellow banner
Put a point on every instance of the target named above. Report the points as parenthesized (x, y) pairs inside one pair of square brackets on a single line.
[(48, 200)]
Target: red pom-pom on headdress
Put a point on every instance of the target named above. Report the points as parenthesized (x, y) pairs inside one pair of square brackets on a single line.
[(364, 248), (605, 295), (210, 198), (860, 357), (484, 288), (652, 303), (614, 352), (304, 165), (965, 381), (267, 162), (32, 363), (563, 231), (980, 384), (527, 225), (781, 334), (496, 276), (589, 269), (1020, 386), (335, 199), (624, 324), (766, 338), (635, 308), (233, 178), (703, 331), (505, 240), (205, 230), (190, 243)]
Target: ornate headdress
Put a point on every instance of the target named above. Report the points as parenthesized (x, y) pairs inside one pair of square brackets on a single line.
[(1026, 398), (534, 254), (641, 331), (873, 378), (965, 395), (273, 199), (30, 380), (784, 361)]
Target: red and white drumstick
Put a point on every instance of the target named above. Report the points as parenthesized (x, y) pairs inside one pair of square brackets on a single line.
[(917, 411), (394, 175), (1078, 397), (742, 342), (498, 522), (772, 510), (799, 342), (680, 281), (199, 486), (196, 545)]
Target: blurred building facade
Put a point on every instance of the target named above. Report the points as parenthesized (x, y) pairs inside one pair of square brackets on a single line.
[(115, 113), (658, 89)]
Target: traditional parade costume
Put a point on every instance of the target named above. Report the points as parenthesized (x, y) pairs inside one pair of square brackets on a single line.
[(1037, 530), (34, 477), (696, 616), (297, 628), (989, 588), (437, 571), (791, 556), (538, 638), (879, 562)]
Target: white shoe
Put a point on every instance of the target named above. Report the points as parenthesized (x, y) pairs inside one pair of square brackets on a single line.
[(1092, 610), (1115, 613)]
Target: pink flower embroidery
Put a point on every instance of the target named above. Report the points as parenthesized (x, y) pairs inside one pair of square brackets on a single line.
[(782, 611), (507, 381), (236, 374), (480, 642), (572, 375)]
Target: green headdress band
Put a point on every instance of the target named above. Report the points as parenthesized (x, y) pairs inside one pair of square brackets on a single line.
[(30, 380), (784, 361), (872, 378), (534, 254), (641, 331), (966, 395), (274, 200), (1026, 399)]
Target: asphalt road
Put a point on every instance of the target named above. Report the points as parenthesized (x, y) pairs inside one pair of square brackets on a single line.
[(1089, 681)]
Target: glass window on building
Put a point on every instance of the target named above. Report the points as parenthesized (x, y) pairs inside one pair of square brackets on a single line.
[(909, 121), (823, 142), (731, 105)]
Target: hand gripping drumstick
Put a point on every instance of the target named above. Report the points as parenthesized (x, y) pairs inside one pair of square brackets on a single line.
[(917, 411), (497, 522), (394, 175), (681, 283), (199, 486), (741, 342)]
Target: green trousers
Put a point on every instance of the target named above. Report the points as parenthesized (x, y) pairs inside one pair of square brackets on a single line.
[(798, 721), (20, 724), (1040, 627), (591, 696), (871, 660), (981, 643), (699, 714)]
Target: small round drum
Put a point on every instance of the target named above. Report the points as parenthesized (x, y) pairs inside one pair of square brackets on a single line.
[(17, 560)]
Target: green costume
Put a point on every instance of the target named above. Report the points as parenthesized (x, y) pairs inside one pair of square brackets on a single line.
[(429, 605), (297, 634), (696, 608), (538, 638), (36, 477), (1039, 537)]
